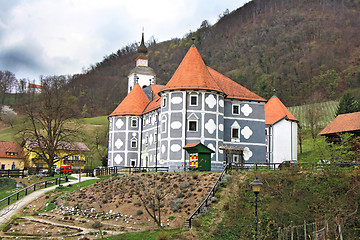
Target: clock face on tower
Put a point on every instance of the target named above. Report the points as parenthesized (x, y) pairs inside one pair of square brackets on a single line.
[(142, 62)]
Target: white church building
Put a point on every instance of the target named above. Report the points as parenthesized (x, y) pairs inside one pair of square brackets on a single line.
[(153, 123)]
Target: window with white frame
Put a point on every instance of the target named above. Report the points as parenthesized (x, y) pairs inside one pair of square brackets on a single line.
[(146, 139), (193, 123), (235, 109), (155, 137), (163, 102), (75, 157), (235, 158), (193, 100), (163, 123), (134, 122), (235, 133), (134, 143)]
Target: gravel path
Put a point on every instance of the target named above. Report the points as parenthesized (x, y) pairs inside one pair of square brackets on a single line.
[(7, 212)]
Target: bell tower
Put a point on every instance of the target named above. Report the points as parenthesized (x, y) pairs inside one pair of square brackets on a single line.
[(142, 74)]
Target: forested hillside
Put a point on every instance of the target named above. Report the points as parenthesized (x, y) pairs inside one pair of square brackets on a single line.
[(303, 48)]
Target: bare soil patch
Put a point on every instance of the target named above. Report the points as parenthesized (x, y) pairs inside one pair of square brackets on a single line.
[(115, 203)]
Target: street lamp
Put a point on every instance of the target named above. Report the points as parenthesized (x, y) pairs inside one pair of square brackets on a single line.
[(256, 187)]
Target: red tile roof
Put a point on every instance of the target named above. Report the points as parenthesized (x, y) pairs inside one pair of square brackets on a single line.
[(192, 74), (62, 145), (343, 123), (154, 104), (156, 88), (11, 150), (275, 110), (33, 85), (133, 104), (190, 145), (233, 89)]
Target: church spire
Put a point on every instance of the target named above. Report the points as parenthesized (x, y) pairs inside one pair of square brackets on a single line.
[(142, 48)]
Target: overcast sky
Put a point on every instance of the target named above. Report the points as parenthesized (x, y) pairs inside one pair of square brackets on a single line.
[(54, 37)]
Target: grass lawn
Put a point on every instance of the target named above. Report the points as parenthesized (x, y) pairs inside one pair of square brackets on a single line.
[(148, 235)]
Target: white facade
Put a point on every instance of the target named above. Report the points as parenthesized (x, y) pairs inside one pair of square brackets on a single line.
[(282, 141)]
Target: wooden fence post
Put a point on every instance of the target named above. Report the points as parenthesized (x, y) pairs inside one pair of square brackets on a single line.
[(305, 230), (279, 233)]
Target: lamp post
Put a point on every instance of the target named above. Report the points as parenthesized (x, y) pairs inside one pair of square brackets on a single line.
[(256, 187)]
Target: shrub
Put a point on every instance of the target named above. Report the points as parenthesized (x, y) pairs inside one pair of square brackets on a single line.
[(162, 236), (195, 176), (139, 212), (97, 225)]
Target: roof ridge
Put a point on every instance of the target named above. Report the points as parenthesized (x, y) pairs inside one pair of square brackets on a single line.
[(133, 104), (192, 73)]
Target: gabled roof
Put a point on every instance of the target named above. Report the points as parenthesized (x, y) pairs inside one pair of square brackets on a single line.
[(275, 110), (192, 74), (133, 104), (62, 145), (154, 104), (343, 123), (233, 89), (197, 147), (11, 150)]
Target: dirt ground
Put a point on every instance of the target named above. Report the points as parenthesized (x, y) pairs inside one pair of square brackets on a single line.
[(115, 203)]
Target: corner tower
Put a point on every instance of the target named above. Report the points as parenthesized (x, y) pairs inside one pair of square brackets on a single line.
[(142, 74)]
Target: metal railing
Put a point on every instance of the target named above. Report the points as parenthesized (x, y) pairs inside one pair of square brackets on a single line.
[(32, 188), (210, 194), (12, 173), (123, 170)]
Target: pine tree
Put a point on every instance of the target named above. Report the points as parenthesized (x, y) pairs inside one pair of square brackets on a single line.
[(347, 104)]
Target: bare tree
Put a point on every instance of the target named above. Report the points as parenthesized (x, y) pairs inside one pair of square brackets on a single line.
[(7, 81), (47, 127), (151, 195), (313, 115)]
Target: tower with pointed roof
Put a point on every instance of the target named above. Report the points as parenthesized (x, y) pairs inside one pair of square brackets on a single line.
[(281, 132), (153, 123), (142, 74)]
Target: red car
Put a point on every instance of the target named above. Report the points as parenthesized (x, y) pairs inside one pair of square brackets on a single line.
[(65, 169)]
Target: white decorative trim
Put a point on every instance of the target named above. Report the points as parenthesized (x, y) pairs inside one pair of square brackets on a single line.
[(246, 109), (210, 101), (176, 100), (246, 132), (210, 126)]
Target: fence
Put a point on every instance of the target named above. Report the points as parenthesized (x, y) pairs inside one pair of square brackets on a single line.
[(32, 188), (316, 231), (292, 166), (207, 198), (123, 170), (12, 173)]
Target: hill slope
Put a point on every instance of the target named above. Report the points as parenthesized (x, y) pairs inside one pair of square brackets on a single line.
[(299, 47)]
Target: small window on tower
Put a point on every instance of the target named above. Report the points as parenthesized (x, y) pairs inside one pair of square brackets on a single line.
[(193, 125), (235, 133), (164, 102), (193, 100), (133, 122), (236, 109)]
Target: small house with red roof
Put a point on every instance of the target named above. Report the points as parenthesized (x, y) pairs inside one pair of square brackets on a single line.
[(344, 123), (34, 88), (11, 156), (153, 123), (281, 132)]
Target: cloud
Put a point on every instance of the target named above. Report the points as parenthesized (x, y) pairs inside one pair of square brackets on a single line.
[(63, 36)]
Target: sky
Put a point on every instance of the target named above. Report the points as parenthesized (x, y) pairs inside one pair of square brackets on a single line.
[(61, 37)]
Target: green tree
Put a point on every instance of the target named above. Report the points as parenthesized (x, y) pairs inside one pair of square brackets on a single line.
[(347, 104)]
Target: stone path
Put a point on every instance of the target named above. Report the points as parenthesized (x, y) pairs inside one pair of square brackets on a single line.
[(7, 212)]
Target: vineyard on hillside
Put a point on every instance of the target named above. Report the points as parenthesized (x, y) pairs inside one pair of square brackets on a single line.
[(326, 111)]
